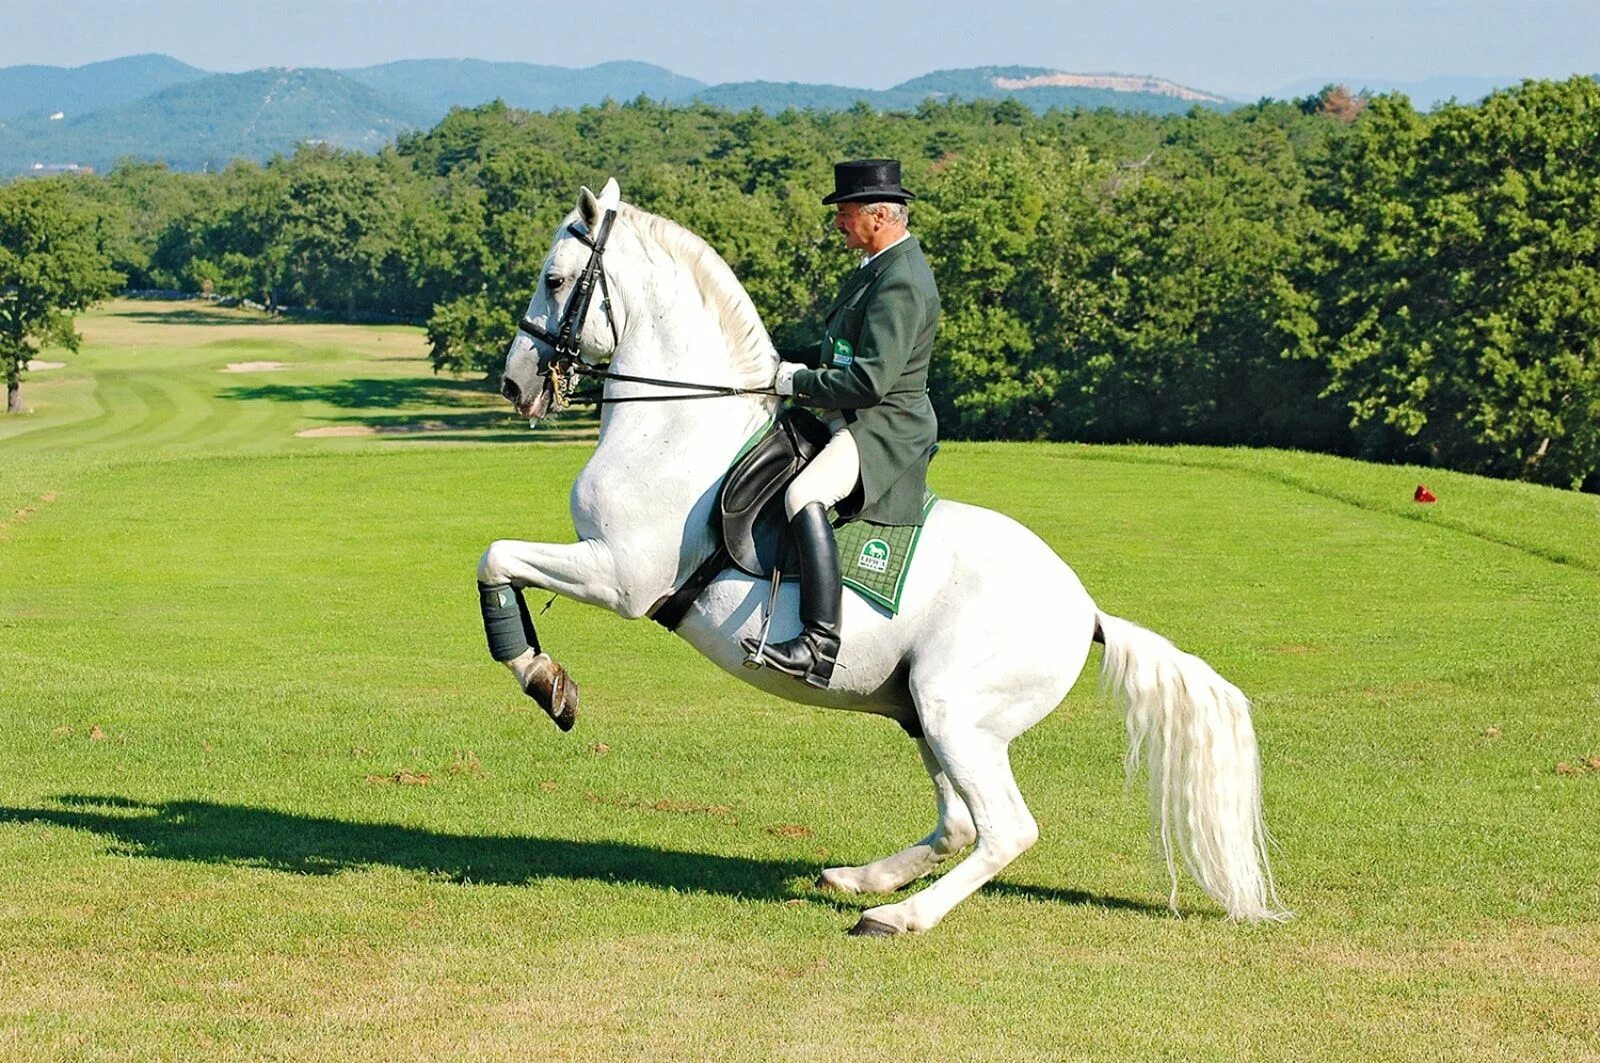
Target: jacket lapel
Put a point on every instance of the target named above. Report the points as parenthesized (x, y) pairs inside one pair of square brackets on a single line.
[(852, 284), (866, 274)]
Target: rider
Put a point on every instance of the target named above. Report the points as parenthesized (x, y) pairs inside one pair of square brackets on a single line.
[(868, 379)]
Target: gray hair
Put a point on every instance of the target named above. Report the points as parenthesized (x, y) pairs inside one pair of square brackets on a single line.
[(889, 211)]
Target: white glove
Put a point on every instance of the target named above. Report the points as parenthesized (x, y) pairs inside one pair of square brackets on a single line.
[(784, 385)]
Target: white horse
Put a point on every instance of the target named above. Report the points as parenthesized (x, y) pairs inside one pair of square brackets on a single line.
[(994, 627)]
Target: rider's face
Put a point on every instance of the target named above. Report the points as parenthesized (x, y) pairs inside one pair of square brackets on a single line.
[(858, 228)]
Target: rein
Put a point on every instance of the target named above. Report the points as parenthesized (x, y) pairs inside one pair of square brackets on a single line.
[(565, 364), (709, 391)]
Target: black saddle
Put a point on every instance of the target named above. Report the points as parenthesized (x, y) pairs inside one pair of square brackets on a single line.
[(749, 511), (748, 516)]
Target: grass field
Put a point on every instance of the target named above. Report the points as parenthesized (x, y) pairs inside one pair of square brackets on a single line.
[(263, 794)]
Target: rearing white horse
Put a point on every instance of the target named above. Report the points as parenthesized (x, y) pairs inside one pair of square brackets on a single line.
[(993, 630)]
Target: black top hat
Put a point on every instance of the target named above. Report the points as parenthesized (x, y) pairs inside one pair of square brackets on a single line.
[(867, 181)]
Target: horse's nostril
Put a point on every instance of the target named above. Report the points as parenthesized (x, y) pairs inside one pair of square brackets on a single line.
[(509, 389)]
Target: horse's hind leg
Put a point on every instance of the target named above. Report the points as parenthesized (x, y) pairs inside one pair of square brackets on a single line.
[(953, 833), (979, 766)]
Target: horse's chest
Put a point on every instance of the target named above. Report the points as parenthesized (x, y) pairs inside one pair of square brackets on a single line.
[(625, 496)]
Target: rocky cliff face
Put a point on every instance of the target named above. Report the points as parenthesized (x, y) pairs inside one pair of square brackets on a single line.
[(1114, 82)]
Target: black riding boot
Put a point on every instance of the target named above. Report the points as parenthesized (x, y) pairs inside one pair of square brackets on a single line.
[(812, 653)]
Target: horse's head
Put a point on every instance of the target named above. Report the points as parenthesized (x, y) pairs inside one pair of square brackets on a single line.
[(569, 316)]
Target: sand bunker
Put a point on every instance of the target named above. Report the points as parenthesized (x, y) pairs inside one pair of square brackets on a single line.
[(369, 430), (337, 430), (252, 367), (37, 364)]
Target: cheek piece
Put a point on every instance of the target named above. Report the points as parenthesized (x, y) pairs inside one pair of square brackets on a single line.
[(506, 621)]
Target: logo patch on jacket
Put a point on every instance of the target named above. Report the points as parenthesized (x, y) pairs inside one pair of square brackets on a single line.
[(843, 354)]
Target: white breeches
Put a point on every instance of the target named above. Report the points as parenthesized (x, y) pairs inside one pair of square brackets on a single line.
[(831, 476)]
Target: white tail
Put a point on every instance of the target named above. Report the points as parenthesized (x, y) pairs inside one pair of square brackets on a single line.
[(1191, 728)]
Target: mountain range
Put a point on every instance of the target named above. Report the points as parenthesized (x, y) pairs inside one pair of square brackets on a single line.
[(155, 107)]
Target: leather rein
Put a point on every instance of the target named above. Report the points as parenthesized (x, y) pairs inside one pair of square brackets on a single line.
[(565, 364)]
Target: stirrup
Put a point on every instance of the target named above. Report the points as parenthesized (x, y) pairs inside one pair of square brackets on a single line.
[(755, 658)]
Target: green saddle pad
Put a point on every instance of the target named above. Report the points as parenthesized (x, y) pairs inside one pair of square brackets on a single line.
[(874, 558)]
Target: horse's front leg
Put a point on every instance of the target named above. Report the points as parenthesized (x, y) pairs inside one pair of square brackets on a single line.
[(584, 571)]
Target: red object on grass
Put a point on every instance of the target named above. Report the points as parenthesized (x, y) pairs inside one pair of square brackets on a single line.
[(1424, 495)]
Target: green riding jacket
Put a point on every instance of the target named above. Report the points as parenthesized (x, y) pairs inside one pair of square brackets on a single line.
[(872, 365)]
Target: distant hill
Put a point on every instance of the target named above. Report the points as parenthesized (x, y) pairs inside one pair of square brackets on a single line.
[(1035, 87), (440, 84), (153, 107), (210, 121), (44, 90), (774, 96)]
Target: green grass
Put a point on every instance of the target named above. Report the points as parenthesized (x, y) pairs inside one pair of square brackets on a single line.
[(230, 654)]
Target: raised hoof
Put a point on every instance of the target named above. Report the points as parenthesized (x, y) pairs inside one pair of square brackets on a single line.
[(869, 927), (554, 690)]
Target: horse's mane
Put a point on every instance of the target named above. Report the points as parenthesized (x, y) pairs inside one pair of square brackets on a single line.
[(750, 352)]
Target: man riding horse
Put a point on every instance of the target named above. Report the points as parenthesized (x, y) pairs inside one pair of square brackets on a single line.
[(993, 627), (868, 380)]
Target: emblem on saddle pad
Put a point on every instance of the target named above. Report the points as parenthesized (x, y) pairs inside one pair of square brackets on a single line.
[(843, 354), (874, 556)]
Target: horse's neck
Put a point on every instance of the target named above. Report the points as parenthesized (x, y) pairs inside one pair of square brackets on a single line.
[(687, 348), (658, 463)]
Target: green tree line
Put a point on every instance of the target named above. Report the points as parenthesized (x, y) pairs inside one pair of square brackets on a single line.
[(1332, 273)]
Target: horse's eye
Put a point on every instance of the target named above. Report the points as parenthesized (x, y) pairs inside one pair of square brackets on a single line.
[(554, 281)]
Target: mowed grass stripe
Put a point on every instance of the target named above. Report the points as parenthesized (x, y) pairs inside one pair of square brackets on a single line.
[(232, 426), (125, 401), (266, 794)]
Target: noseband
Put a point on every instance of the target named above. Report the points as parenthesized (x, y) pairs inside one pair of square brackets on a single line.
[(565, 362), (565, 353)]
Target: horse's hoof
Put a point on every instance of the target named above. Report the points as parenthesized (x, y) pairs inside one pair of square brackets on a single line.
[(869, 927), (555, 691)]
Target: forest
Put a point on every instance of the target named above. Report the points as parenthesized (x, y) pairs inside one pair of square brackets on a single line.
[(1336, 273)]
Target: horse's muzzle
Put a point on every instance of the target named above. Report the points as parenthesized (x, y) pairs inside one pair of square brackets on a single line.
[(533, 408)]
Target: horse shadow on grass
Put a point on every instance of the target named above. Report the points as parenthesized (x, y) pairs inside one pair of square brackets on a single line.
[(208, 832), (200, 316), (369, 393)]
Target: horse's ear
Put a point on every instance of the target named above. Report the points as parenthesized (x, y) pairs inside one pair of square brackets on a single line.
[(611, 194), (589, 208)]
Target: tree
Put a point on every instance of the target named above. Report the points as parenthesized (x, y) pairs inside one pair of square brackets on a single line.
[(50, 267), (1461, 319)]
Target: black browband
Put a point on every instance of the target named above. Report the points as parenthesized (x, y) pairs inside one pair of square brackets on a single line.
[(564, 342)]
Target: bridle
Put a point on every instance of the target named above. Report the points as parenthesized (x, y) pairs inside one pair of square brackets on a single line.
[(564, 364)]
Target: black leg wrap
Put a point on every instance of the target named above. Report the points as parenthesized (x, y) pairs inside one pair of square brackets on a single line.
[(506, 621)]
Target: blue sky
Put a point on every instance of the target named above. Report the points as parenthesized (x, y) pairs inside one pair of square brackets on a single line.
[(1241, 48)]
